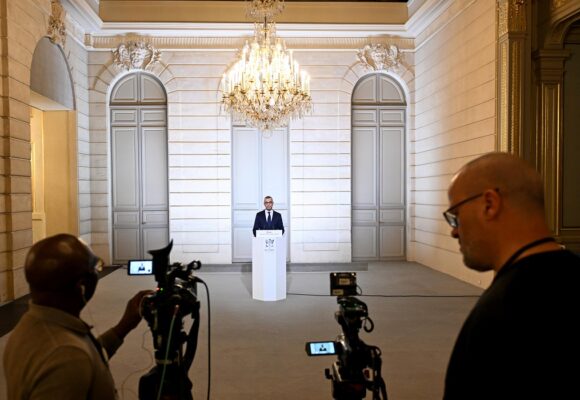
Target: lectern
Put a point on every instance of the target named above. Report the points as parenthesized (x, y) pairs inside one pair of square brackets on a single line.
[(269, 266)]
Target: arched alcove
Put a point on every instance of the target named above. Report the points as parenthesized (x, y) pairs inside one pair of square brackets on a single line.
[(50, 75), (53, 137), (378, 169)]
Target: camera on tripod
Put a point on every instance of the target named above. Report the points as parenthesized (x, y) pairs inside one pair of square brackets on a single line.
[(164, 310), (358, 367)]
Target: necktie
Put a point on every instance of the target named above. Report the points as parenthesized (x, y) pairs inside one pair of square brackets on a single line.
[(269, 217)]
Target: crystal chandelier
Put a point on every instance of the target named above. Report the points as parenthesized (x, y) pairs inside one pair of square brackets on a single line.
[(265, 87)]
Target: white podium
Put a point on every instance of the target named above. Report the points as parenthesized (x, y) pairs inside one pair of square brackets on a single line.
[(269, 266)]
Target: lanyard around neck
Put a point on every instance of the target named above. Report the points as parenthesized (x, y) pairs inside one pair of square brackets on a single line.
[(528, 246)]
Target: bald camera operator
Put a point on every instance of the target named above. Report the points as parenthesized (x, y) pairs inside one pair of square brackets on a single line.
[(51, 353)]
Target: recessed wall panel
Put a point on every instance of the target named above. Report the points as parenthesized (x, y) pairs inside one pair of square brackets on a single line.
[(365, 169), (125, 163)]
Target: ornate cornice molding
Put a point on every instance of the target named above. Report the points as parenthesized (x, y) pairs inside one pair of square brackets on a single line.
[(56, 31), (135, 55), (511, 16), (380, 57), (425, 15), (234, 43), (558, 3)]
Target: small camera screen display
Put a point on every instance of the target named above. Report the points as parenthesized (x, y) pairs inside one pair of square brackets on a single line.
[(321, 348), (140, 267)]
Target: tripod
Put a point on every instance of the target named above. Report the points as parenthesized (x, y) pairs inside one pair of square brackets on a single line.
[(168, 380)]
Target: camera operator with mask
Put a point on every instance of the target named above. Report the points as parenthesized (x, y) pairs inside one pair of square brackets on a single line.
[(51, 353)]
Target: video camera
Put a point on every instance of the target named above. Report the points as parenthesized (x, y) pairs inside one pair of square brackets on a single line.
[(358, 367), (164, 310)]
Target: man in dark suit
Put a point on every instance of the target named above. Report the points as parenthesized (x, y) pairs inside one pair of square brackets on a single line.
[(268, 219)]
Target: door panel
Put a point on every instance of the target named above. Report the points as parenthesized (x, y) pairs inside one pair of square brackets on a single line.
[(153, 116), (364, 242), (154, 168), (125, 167), (392, 188), (392, 117), (124, 117), (126, 244), (246, 169), (154, 217), (150, 90), (242, 244), (389, 92), (275, 169), (260, 168), (126, 218), (126, 91), (364, 177), (392, 241), (366, 90), (378, 175), (139, 168)]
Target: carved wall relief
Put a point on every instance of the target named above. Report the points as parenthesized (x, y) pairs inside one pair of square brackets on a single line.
[(56, 29), (380, 57), (135, 55)]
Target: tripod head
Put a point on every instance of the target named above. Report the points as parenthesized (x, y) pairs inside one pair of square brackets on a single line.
[(358, 367)]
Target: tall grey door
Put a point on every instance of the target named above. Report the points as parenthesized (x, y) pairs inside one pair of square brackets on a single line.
[(139, 167), (378, 170), (259, 168)]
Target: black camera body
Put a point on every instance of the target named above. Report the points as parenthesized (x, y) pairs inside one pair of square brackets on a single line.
[(176, 293), (358, 367), (164, 310)]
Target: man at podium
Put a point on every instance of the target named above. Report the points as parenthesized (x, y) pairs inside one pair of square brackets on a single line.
[(268, 219)]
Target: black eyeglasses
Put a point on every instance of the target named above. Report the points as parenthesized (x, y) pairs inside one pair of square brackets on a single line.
[(451, 217)]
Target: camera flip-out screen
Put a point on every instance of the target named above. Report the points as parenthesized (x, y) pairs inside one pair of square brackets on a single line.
[(140, 267), (320, 348)]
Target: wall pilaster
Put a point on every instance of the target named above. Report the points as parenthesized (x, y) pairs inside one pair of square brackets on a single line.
[(550, 77), (512, 72)]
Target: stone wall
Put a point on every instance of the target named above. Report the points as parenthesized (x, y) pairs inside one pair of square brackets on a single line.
[(25, 22), (199, 134), (454, 121)]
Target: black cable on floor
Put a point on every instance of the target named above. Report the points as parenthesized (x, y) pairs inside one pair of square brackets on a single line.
[(394, 295)]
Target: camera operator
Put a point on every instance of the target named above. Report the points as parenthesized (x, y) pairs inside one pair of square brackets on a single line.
[(51, 353)]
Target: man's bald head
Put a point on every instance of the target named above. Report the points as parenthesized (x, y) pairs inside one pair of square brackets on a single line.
[(57, 263), (496, 207), (515, 178)]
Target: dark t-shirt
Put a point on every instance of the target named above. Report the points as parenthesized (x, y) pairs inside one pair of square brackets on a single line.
[(522, 338)]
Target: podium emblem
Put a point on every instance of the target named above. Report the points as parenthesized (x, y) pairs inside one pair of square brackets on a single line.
[(269, 245)]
